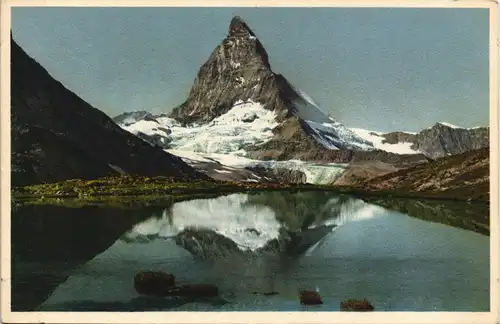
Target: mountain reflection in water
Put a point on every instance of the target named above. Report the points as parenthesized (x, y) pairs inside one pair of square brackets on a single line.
[(84, 259)]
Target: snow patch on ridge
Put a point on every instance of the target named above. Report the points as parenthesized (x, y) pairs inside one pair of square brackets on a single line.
[(376, 139), (329, 132), (449, 125)]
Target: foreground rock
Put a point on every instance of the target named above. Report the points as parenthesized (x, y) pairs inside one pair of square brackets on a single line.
[(57, 136), (354, 305), (310, 298)]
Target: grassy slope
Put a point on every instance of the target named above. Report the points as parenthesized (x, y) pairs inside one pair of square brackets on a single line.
[(143, 186)]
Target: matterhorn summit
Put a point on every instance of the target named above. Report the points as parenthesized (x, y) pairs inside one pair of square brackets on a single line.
[(239, 71)]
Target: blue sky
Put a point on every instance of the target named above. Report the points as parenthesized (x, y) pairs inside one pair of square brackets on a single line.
[(378, 68)]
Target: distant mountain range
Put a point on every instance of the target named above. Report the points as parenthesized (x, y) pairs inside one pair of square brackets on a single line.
[(240, 113)]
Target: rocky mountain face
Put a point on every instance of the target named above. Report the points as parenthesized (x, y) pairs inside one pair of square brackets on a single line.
[(238, 69), (442, 139), (57, 136), (456, 176)]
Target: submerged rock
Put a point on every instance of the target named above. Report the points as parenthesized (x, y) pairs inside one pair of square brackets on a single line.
[(267, 293), (153, 283), (355, 305), (194, 291)]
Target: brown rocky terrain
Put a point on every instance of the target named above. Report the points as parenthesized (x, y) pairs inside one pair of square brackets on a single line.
[(464, 176), (358, 172)]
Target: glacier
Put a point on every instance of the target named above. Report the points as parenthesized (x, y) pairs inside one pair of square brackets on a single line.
[(247, 123), (315, 173), (224, 139)]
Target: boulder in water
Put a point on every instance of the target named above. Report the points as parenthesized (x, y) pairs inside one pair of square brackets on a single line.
[(310, 297), (356, 305), (153, 283)]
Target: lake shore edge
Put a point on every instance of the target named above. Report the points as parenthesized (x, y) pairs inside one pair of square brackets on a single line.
[(160, 186)]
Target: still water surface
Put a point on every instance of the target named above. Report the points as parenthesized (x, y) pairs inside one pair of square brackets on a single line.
[(341, 245)]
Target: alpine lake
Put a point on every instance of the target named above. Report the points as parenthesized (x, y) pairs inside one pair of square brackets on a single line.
[(260, 249)]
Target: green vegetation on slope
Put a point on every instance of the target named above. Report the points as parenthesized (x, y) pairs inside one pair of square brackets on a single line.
[(144, 186)]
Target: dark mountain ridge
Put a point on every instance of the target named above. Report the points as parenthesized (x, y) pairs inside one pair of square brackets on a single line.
[(56, 135)]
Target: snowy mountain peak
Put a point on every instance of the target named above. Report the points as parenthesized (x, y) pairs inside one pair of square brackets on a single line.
[(239, 70), (448, 125)]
